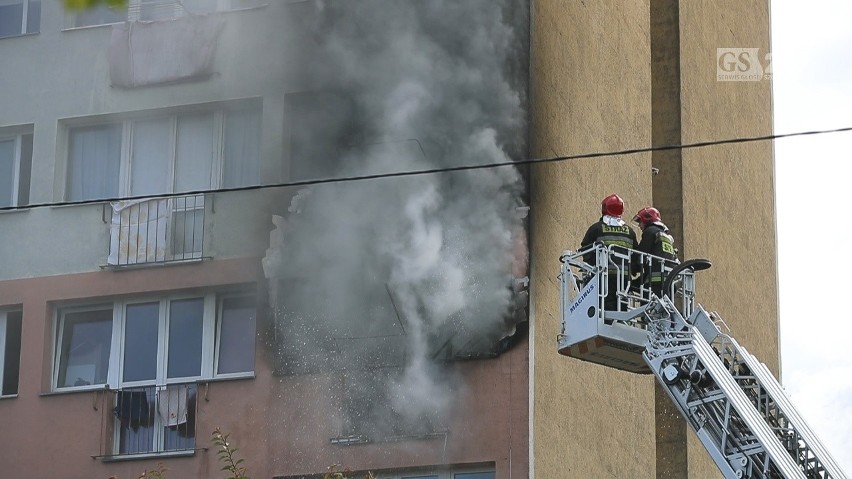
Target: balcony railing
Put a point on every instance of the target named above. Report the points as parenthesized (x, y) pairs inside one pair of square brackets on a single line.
[(148, 420), (158, 230)]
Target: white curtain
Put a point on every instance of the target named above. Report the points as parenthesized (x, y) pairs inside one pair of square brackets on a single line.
[(195, 152), (94, 158), (241, 164), (7, 171), (150, 163)]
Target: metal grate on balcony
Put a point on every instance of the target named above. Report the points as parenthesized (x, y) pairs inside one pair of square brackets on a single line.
[(153, 10), (157, 230), (148, 420)]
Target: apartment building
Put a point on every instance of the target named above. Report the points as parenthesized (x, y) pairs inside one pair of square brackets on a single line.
[(197, 231)]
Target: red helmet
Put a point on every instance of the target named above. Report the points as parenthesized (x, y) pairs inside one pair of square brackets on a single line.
[(647, 215), (612, 205)]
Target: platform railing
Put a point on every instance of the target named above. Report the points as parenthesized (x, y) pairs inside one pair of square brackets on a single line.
[(632, 271)]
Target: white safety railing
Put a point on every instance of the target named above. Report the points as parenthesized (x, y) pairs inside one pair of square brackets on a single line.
[(630, 272), (157, 230)]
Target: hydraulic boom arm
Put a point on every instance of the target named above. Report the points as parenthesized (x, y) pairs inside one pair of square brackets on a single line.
[(730, 399)]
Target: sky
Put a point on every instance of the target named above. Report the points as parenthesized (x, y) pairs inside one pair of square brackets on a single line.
[(812, 85)]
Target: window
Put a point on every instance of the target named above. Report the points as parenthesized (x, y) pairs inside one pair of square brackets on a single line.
[(99, 15), (85, 341), (153, 10), (18, 17), (10, 351), (153, 419), (458, 473), (369, 411), (155, 341), (237, 329), (152, 351), (16, 153), (164, 154)]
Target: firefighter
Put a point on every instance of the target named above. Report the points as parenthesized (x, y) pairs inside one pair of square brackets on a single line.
[(611, 230), (657, 241)]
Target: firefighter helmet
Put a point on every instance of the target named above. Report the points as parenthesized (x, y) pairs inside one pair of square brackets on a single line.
[(646, 216), (612, 205)]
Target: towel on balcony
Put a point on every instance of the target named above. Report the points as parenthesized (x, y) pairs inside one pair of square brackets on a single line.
[(138, 231), (172, 404)]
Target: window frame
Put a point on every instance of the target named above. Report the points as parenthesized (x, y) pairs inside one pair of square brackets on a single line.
[(220, 309), (438, 474), (115, 367), (16, 135), (128, 134), (4, 330), (163, 324), (25, 13), (59, 333)]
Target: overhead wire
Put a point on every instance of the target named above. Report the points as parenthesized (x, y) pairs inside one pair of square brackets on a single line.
[(446, 169)]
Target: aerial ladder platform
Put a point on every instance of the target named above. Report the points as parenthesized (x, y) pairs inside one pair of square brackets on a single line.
[(730, 399)]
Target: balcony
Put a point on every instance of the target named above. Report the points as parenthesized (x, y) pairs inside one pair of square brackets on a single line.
[(156, 231), (148, 420)]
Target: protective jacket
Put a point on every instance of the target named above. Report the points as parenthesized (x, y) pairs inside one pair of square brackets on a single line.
[(657, 241), (611, 232)]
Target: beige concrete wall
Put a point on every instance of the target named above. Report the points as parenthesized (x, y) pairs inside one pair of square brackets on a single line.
[(728, 200), (592, 80), (590, 93)]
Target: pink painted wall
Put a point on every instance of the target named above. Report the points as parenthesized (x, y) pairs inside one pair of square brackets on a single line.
[(281, 424)]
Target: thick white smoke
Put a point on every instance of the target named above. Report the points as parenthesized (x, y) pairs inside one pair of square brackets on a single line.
[(393, 272)]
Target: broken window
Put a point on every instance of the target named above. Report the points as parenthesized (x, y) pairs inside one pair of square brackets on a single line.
[(375, 411), (320, 125), (483, 472)]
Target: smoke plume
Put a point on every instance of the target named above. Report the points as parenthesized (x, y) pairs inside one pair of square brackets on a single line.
[(404, 273)]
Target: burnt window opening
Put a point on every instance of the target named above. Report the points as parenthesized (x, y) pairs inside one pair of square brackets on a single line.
[(373, 409)]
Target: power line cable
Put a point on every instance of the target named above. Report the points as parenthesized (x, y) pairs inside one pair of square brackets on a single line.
[(448, 169)]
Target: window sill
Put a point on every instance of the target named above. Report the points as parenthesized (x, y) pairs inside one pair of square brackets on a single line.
[(149, 455), (89, 27), (154, 264), (106, 387), (80, 389), (19, 35), (8, 210)]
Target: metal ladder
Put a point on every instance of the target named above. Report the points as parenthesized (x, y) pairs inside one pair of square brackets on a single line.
[(731, 400)]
